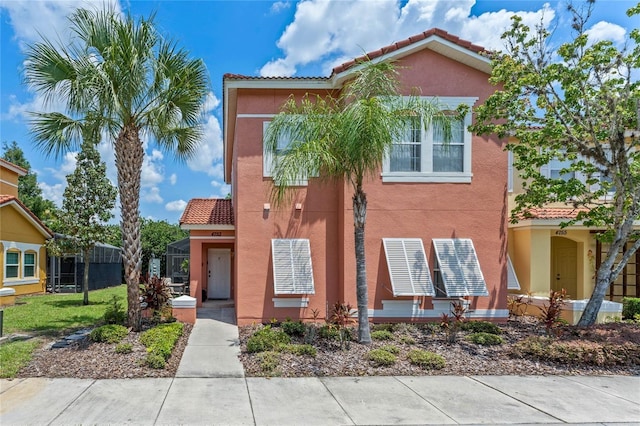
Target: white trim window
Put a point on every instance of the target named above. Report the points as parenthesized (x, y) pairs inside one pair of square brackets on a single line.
[(269, 160), (29, 264), (408, 267), (12, 264), (292, 269), (459, 272), (556, 168), (421, 155)]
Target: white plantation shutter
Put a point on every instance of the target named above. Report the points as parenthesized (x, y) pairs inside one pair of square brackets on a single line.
[(408, 267), (512, 278), (459, 267), (292, 270)]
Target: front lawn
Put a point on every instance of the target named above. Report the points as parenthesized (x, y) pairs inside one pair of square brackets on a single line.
[(50, 315)]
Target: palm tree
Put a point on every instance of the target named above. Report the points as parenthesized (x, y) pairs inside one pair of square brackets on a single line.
[(345, 139), (123, 71)]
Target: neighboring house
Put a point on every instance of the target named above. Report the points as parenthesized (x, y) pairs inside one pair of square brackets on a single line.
[(22, 240), (436, 227), (548, 257)]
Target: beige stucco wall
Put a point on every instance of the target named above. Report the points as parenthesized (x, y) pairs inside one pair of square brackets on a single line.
[(8, 181)]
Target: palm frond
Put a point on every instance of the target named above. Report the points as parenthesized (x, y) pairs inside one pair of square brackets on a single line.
[(55, 133)]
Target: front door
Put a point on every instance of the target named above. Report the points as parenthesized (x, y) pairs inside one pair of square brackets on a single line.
[(564, 265), (219, 274)]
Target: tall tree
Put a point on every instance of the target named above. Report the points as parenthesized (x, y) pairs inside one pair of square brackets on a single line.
[(579, 105), (87, 205), (124, 71), (28, 190), (344, 140)]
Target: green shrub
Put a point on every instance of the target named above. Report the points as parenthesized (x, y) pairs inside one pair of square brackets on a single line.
[(124, 348), (481, 327), (267, 339), (381, 335), (380, 357), (382, 327), (485, 339), (110, 333), (404, 328), (426, 359), (155, 360), (293, 328), (407, 340), (114, 314), (332, 332), (630, 307), (391, 349), (161, 339), (268, 360), (307, 350)]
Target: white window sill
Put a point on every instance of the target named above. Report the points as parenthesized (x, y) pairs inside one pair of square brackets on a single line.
[(298, 302), (301, 182), (426, 177), (25, 281)]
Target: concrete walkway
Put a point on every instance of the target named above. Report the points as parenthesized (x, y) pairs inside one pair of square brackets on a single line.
[(210, 388)]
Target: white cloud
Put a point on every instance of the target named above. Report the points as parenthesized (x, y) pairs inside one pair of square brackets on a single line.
[(332, 32), (606, 31), (151, 195), (211, 102), (152, 169), (279, 6), (176, 206), (173, 178), (52, 192), (210, 148), (222, 189)]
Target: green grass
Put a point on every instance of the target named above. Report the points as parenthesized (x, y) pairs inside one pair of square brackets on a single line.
[(52, 314), (15, 355)]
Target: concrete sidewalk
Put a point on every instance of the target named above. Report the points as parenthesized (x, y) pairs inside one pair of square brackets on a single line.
[(210, 388), (324, 401)]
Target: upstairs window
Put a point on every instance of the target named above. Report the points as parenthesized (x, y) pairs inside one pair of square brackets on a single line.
[(269, 159), (422, 155)]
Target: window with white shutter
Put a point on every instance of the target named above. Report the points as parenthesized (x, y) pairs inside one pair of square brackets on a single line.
[(512, 278), (408, 267), (292, 270), (459, 267)]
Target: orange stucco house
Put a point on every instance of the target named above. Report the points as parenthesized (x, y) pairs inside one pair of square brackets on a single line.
[(436, 227)]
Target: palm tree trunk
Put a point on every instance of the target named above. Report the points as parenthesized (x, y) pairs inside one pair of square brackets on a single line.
[(362, 293), (85, 277), (129, 156)]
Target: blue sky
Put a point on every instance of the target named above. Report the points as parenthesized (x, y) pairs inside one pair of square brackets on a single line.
[(305, 38)]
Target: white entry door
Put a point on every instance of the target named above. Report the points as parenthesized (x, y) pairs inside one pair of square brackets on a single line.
[(219, 274)]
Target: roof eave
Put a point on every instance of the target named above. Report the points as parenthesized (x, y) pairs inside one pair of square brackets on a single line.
[(29, 216)]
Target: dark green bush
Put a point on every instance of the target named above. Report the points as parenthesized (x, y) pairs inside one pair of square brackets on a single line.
[(110, 333), (114, 314), (307, 350), (481, 327), (293, 328), (161, 339), (124, 348), (485, 339), (426, 359), (630, 307), (381, 335), (267, 339), (380, 357)]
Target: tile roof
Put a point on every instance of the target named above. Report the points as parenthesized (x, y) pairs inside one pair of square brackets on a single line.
[(375, 54), (6, 199), (553, 213), (406, 42), (208, 211)]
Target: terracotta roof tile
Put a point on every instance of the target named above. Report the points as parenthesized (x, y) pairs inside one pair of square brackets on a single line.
[(413, 39), (208, 211), (553, 213), (6, 199)]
